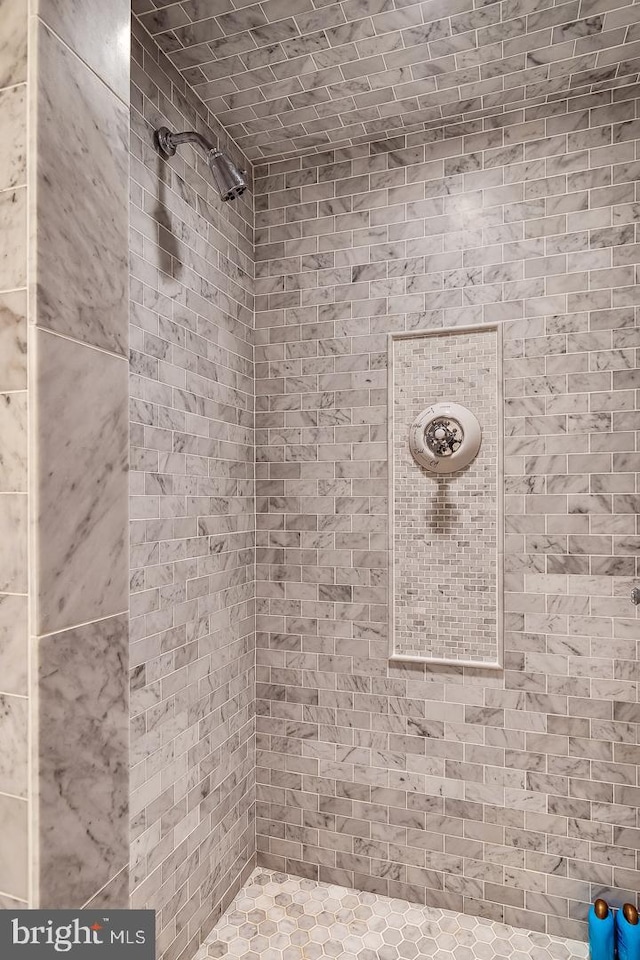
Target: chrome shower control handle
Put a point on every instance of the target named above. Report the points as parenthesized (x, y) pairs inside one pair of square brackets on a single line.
[(635, 596), (445, 438)]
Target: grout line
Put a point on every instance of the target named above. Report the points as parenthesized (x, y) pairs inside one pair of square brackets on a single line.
[(80, 626), (14, 796), (115, 876), (19, 900), (13, 86), (74, 53), (80, 343)]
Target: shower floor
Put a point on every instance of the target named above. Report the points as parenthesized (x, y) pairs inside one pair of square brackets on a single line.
[(280, 917)]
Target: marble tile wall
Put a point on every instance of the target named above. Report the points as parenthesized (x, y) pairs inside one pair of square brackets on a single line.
[(14, 688), (77, 350), (446, 536), (289, 79), (192, 521), (512, 794), (82, 687), (88, 149)]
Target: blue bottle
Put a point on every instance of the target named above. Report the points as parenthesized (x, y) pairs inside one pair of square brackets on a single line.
[(628, 933), (601, 932)]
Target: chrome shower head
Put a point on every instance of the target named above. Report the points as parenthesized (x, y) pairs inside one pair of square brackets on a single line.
[(230, 181)]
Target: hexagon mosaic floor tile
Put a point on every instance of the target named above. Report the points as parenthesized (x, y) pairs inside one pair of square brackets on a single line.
[(280, 917)]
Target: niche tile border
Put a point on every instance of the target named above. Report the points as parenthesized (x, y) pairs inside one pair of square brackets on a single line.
[(394, 654)]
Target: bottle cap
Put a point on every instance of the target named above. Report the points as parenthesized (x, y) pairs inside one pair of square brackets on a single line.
[(601, 908)]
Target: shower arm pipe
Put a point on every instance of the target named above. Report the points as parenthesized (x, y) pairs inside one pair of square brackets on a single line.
[(169, 142), (229, 180)]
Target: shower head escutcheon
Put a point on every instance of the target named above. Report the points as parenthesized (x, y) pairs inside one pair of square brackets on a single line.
[(228, 178)]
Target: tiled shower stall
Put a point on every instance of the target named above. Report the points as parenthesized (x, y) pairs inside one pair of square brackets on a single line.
[(414, 167)]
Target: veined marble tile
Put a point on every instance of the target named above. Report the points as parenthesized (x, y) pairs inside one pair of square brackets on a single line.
[(13, 340), (12, 903), (13, 644), (13, 238), (98, 32), (13, 448), (14, 750), (310, 919), (13, 543), (83, 766), (114, 895), (13, 144), (82, 483), (192, 377), (82, 202), (14, 819), (13, 42)]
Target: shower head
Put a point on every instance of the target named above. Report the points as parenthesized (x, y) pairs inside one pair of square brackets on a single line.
[(228, 178)]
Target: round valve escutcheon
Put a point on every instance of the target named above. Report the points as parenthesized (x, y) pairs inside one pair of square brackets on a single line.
[(445, 437)]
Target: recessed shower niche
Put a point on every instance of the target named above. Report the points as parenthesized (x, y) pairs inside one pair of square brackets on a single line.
[(446, 518)]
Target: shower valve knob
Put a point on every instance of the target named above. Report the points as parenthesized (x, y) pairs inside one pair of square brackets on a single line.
[(445, 437)]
